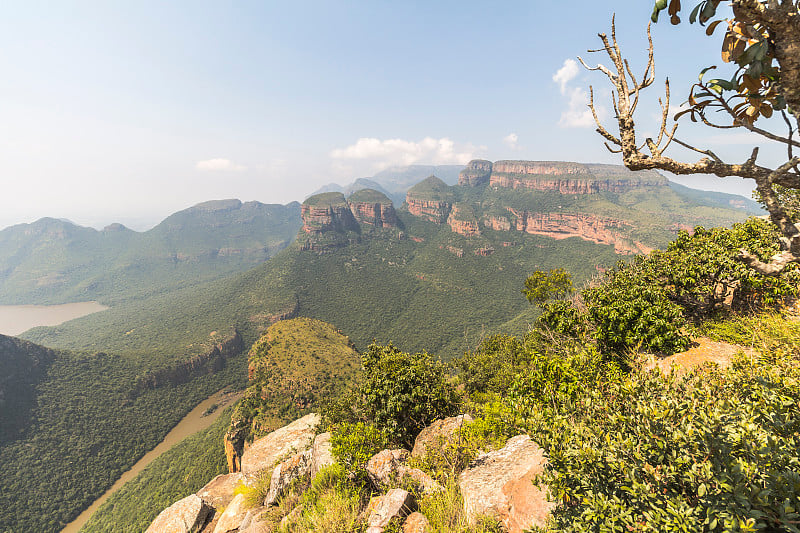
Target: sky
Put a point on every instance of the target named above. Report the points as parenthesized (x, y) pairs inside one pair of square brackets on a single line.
[(129, 111)]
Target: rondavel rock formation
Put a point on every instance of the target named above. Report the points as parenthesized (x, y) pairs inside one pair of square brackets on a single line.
[(433, 200)]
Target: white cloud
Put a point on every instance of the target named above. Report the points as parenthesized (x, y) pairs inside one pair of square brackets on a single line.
[(381, 154), (566, 74), (577, 114), (219, 164), (511, 140)]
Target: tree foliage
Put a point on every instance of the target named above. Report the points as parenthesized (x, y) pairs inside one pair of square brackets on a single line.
[(763, 40), (542, 286)]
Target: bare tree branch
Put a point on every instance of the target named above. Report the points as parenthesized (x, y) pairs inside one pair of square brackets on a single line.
[(625, 98)]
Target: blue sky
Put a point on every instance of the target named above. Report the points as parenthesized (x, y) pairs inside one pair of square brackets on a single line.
[(129, 111)]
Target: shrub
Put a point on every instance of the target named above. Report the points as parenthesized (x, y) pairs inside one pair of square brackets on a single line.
[(713, 451), (354, 444), (405, 392)]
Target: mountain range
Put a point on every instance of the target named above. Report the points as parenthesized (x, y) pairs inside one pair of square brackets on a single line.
[(433, 273)]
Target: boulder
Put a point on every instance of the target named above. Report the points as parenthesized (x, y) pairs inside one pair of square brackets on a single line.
[(294, 467), (416, 523), (263, 453), (439, 432), (500, 484), (219, 491), (184, 516), (384, 468), (252, 522), (321, 455), (234, 514), (396, 503), (387, 468)]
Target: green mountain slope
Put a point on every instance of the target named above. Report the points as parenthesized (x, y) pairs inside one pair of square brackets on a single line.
[(54, 261), (435, 275)]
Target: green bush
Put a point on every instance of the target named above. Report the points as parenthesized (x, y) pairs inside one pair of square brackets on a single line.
[(353, 444), (405, 392), (714, 451), (631, 316)]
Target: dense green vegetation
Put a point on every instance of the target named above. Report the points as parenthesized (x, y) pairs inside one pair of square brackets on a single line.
[(292, 368), (55, 261), (646, 304), (85, 428), (426, 291), (179, 472)]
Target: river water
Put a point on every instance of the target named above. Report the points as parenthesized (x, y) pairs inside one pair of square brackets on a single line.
[(14, 319), (189, 425)]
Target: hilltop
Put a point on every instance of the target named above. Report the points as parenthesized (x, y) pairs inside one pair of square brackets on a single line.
[(56, 261)]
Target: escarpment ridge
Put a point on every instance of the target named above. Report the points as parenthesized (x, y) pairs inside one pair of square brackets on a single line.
[(560, 176)]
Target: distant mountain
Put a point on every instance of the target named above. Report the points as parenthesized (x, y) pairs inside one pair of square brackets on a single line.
[(434, 274), (55, 261), (394, 182)]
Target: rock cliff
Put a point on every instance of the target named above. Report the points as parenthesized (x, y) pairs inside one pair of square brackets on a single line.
[(327, 212), (477, 173), (601, 230), (373, 208), (559, 176), (463, 220), (430, 199)]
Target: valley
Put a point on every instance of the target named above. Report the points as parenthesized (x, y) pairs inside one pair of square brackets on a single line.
[(435, 273)]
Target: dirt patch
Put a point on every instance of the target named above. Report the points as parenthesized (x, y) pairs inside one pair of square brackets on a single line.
[(704, 351)]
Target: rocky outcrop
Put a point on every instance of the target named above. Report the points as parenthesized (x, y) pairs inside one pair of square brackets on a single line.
[(397, 503), (232, 517), (327, 212), (601, 230), (462, 220), (267, 450), (430, 199), (477, 173), (373, 208), (500, 483), (184, 516), (321, 456), (439, 434), (416, 522), (295, 467), (209, 362), (388, 468), (570, 178), (218, 492)]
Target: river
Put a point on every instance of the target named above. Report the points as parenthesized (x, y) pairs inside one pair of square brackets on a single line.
[(14, 319), (189, 425)]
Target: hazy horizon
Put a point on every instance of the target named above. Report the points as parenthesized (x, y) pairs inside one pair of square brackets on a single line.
[(119, 112)]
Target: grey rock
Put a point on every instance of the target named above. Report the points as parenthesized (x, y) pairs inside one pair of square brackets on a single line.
[(438, 433), (234, 514), (321, 455), (294, 467), (397, 503), (500, 484), (184, 516), (219, 491), (296, 436)]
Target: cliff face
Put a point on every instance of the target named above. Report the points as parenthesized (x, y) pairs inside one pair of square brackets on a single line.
[(331, 212), (462, 220), (588, 227), (477, 173), (375, 214), (562, 177), (208, 362), (435, 211), (430, 199)]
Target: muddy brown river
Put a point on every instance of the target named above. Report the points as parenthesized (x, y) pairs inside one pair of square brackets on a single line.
[(189, 425)]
